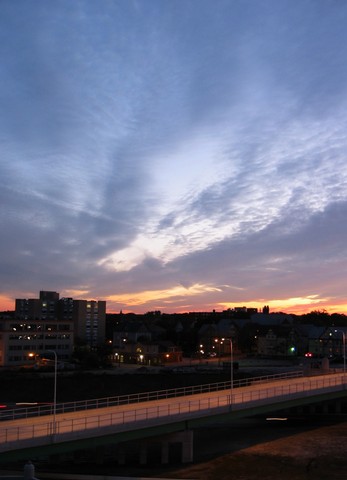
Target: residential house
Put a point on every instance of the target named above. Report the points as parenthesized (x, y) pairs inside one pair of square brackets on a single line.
[(278, 341), (136, 342)]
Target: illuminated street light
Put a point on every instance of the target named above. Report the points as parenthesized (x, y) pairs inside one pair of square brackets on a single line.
[(55, 386), (55, 389), (231, 369)]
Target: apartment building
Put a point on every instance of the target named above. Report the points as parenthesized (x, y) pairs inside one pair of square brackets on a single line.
[(89, 318), (49, 324)]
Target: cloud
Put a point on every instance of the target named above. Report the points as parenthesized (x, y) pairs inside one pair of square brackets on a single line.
[(146, 147)]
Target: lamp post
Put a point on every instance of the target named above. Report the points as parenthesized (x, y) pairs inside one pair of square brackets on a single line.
[(344, 353), (218, 342), (32, 355), (231, 369), (55, 389)]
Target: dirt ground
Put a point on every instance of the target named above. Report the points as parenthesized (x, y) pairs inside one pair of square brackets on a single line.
[(319, 454), (251, 450)]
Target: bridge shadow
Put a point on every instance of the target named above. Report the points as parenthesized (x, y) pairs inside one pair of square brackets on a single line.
[(221, 439), (210, 443)]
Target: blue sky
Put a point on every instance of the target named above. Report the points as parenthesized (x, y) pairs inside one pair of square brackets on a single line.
[(174, 155)]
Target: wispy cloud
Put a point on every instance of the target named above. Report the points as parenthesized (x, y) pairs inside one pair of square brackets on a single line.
[(145, 147)]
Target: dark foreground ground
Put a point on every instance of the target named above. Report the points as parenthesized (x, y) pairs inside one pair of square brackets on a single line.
[(307, 448), (247, 450), (286, 452)]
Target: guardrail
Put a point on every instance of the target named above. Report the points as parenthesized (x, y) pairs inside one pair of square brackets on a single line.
[(47, 409), (126, 418)]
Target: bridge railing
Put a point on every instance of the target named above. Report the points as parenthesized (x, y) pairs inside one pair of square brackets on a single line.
[(135, 417), (47, 409)]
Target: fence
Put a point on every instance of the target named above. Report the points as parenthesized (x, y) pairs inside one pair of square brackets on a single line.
[(124, 418), (47, 409)]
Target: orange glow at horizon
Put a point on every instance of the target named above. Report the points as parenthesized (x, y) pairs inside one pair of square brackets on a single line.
[(7, 303), (149, 296), (161, 298), (296, 305), (165, 299), (295, 310)]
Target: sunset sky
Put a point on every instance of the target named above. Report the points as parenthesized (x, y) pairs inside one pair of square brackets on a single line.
[(175, 155)]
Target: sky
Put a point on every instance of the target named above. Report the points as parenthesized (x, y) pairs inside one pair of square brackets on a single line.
[(174, 155)]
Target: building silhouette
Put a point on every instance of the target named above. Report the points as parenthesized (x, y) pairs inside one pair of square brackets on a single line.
[(50, 324)]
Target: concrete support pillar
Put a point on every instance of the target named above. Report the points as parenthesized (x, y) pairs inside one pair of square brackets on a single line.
[(143, 454), (187, 446), (164, 452), (29, 471)]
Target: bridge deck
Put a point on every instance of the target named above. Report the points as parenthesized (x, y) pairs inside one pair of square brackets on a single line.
[(69, 426)]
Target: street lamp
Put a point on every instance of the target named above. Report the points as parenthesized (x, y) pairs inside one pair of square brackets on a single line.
[(32, 355), (55, 389), (218, 352), (231, 369)]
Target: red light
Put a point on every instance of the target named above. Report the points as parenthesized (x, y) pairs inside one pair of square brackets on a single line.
[(308, 354)]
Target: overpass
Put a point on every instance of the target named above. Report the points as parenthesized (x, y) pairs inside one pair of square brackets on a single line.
[(111, 421)]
